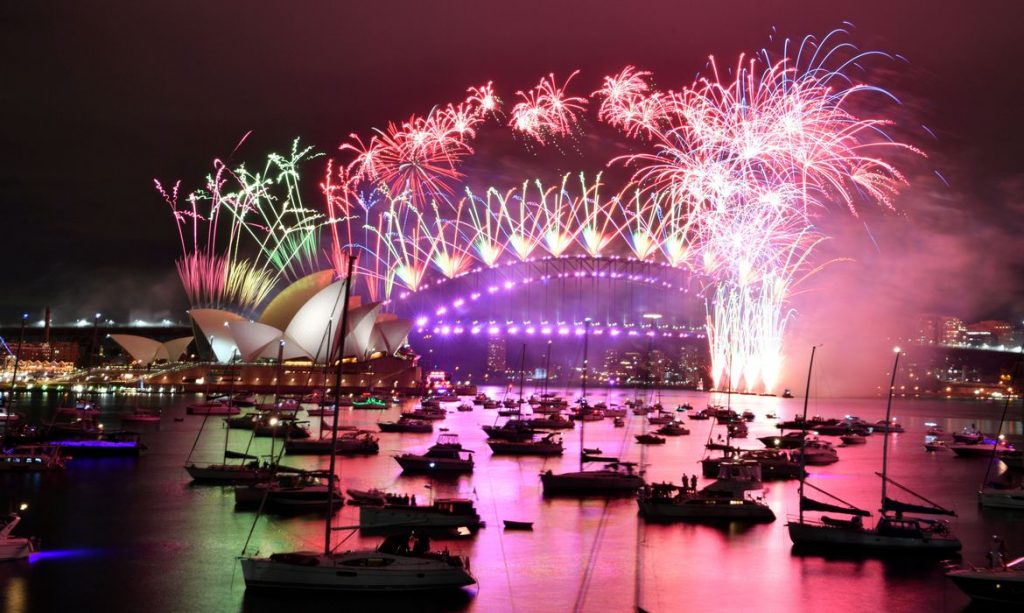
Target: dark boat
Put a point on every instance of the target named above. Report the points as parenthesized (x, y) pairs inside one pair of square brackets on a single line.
[(548, 445), (649, 439), (512, 430), (793, 440), (406, 424), (995, 585), (518, 525)]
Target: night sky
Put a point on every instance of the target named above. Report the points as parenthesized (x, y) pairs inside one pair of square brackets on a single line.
[(99, 98)]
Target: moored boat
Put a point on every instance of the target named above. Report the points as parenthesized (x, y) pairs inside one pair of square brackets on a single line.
[(14, 547), (548, 445), (446, 456)]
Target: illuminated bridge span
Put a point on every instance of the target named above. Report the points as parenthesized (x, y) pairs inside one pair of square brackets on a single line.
[(552, 296)]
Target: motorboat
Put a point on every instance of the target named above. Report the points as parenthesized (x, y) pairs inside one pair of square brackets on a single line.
[(14, 547), (31, 458), (995, 585), (446, 456), (981, 450), (792, 440), (372, 496), (615, 479), (510, 412), (393, 566), (244, 400), (619, 422), (747, 415), (511, 524), (817, 453), (480, 399), (700, 415), (350, 442), (554, 421), (512, 430), (660, 419), (673, 428), (935, 445), (649, 439), (887, 426), (464, 407), (853, 439), (968, 435), (302, 492), (442, 515), (548, 445), (406, 424), (99, 445), (615, 412), (775, 464), (320, 411), (427, 412), (213, 407), (668, 502)]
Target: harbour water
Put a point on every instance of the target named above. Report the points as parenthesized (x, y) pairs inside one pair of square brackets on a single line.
[(136, 535)]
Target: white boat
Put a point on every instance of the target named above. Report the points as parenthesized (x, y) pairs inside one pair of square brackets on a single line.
[(447, 456), (817, 453), (853, 439), (393, 567), (9, 418), (995, 585), (13, 547), (142, 416)]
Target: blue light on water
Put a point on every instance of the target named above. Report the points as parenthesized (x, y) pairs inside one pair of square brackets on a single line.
[(61, 554)]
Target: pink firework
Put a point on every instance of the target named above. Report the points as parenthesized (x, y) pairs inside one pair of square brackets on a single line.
[(546, 111)]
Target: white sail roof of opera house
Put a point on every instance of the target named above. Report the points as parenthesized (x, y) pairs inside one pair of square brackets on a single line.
[(312, 307), (147, 350), (214, 325)]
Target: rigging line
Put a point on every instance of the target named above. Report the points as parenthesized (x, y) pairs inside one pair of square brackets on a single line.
[(581, 594)]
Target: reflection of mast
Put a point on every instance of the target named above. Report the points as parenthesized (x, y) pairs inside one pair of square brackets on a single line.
[(522, 373), (885, 437), (583, 397), (547, 368)]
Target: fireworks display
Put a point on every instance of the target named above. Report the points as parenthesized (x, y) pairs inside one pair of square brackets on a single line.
[(729, 176)]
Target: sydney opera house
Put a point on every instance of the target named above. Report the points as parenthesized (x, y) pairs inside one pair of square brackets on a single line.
[(293, 338)]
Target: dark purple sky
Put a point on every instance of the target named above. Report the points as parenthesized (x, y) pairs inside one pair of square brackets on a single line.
[(100, 97)]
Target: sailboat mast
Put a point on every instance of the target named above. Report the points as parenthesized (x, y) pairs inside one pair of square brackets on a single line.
[(803, 441), (583, 397), (522, 372), (547, 368), (340, 350), (885, 437)]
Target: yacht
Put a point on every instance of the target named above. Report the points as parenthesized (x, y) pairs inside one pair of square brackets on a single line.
[(406, 424), (995, 585), (13, 547), (667, 502), (548, 445), (370, 403), (351, 442), (443, 514), (393, 566), (429, 413), (303, 492), (512, 430), (31, 458), (793, 440), (446, 456), (649, 439), (553, 421), (816, 453), (615, 479), (673, 428), (979, 450)]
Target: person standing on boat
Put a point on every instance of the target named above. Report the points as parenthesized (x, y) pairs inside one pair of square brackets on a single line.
[(693, 483), (997, 553), (685, 481)]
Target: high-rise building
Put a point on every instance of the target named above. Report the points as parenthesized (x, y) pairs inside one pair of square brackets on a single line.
[(497, 349)]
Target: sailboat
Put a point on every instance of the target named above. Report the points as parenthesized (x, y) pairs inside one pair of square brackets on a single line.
[(393, 566), (893, 532), (615, 479), (1000, 494)]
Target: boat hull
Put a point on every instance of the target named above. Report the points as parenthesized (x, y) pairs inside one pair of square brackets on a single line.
[(15, 548), (1002, 499), (408, 576), (223, 474), (705, 511), (590, 483), (513, 448), (389, 517), (417, 464), (813, 536), (990, 586)]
